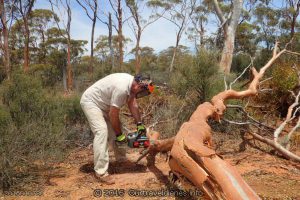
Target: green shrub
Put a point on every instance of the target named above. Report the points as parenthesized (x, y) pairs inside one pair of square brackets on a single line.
[(284, 77), (198, 75), (24, 98), (73, 110), (5, 119), (35, 126), (239, 63)]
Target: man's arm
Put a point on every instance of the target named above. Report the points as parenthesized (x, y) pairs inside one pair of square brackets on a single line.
[(134, 109), (115, 120)]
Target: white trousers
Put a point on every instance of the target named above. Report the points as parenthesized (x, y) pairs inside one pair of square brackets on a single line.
[(103, 132)]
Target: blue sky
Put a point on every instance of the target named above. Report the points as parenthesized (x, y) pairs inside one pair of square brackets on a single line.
[(159, 35)]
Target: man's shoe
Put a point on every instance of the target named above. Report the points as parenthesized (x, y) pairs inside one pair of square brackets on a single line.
[(105, 178)]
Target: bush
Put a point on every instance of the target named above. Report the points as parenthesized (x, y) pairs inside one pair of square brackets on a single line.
[(34, 126), (239, 63), (24, 98), (198, 75), (194, 81), (5, 119), (284, 77), (73, 110)]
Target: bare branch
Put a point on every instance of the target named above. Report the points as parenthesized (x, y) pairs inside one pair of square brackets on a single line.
[(56, 21), (244, 71), (250, 117), (85, 9), (265, 80), (291, 133), (219, 12)]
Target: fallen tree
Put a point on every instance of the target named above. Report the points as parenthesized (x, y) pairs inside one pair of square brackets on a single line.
[(192, 156)]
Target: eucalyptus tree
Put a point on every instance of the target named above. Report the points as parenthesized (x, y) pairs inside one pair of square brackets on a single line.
[(117, 8), (290, 15), (40, 21), (91, 9), (7, 8), (104, 45), (24, 8), (229, 25), (177, 12), (199, 20), (65, 5), (267, 19), (139, 24)]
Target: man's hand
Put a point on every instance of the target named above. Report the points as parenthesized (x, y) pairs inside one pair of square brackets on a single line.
[(141, 129), (121, 139)]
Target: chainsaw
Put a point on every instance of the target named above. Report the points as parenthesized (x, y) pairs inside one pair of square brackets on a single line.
[(137, 140)]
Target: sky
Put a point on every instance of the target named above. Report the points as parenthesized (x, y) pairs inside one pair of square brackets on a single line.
[(159, 35)]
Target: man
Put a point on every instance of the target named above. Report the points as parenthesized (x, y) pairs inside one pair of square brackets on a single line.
[(101, 104)]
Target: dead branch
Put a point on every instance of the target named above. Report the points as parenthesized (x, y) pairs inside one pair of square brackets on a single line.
[(289, 117), (244, 71), (191, 152), (218, 101)]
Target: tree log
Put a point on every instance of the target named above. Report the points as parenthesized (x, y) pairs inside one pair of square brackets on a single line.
[(191, 152)]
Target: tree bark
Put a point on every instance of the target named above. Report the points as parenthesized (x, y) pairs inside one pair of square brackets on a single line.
[(175, 49), (192, 155), (25, 10), (69, 69), (26, 47), (64, 78), (92, 37), (229, 26), (138, 52), (6, 50), (181, 28), (69, 66), (92, 48), (227, 52), (44, 50), (294, 16), (111, 49), (173, 59), (120, 34)]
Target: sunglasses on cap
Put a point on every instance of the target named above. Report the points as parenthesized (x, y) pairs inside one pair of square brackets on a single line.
[(148, 89)]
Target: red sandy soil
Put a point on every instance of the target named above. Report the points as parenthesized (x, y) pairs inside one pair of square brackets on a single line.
[(270, 176)]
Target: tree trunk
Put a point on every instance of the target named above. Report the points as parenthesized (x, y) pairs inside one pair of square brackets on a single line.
[(69, 69), (296, 7), (111, 49), (229, 27), (174, 52), (64, 73), (173, 59), (6, 54), (138, 53), (92, 48), (26, 47), (120, 34), (227, 53), (6, 51), (44, 50), (202, 34), (92, 40), (192, 156)]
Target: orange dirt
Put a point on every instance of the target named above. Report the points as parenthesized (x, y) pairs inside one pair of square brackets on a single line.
[(271, 177)]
